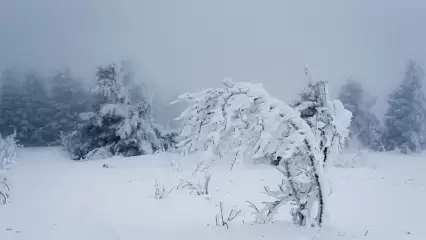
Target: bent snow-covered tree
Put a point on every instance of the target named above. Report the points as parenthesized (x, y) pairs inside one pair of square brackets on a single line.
[(116, 127), (243, 119)]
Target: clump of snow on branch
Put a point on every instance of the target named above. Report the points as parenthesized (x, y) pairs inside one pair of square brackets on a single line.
[(244, 120)]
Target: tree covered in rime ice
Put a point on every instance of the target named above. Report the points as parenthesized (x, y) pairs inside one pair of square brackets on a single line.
[(242, 119), (116, 127), (365, 127), (405, 118)]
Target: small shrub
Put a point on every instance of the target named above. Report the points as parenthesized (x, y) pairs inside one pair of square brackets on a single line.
[(359, 160), (4, 191), (160, 191), (198, 189), (221, 220)]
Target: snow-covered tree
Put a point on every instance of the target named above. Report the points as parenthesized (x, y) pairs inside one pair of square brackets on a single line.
[(405, 128), (116, 127), (244, 120), (365, 127)]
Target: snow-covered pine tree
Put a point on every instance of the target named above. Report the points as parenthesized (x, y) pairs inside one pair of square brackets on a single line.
[(244, 120), (116, 127), (365, 127), (405, 128), (108, 123)]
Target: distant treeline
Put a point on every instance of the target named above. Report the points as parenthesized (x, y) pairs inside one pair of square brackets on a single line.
[(39, 108)]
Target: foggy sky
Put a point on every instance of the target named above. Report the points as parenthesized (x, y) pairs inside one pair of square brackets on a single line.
[(182, 45)]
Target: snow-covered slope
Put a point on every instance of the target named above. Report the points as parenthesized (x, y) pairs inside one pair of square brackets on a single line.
[(54, 198)]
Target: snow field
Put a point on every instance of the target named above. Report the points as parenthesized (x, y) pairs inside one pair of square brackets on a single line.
[(55, 198)]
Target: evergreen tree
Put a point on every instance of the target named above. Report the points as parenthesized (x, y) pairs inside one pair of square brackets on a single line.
[(405, 117), (68, 99), (10, 104), (365, 127), (36, 112), (116, 127)]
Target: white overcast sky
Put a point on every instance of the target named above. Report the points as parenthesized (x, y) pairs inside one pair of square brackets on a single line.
[(182, 45)]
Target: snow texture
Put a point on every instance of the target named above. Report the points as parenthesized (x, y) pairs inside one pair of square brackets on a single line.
[(55, 198)]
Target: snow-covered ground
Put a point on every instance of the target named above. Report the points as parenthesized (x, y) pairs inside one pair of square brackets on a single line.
[(54, 198)]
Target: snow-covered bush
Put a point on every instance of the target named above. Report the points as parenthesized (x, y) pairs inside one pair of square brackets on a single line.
[(8, 147), (117, 127), (244, 120)]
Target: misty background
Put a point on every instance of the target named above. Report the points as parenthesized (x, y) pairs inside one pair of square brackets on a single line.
[(179, 46)]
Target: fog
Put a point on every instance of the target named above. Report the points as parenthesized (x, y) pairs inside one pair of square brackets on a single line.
[(183, 45)]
